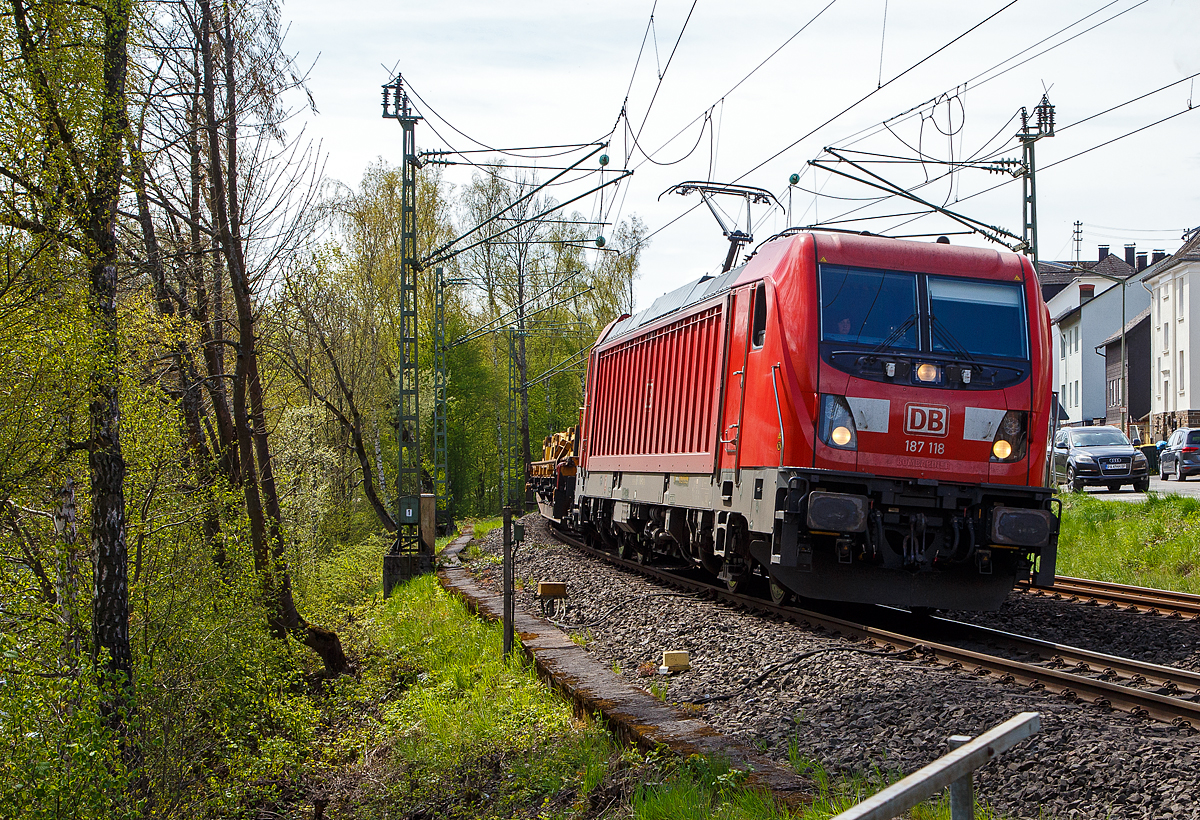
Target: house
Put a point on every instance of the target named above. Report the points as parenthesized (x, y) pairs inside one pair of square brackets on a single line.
[(1174, 339), (1084, 312), (1128, 393)]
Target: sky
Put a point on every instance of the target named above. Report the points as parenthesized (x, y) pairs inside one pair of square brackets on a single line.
[(691, 77)]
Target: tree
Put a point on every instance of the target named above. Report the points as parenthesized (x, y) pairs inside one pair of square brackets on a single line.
[(217, 174), (63, 181)]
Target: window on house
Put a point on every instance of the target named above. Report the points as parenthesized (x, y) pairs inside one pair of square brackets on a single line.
[(1077, 392), (1158, 384), (1063, 398), (1179, 298), (1180, 382), (1062, 345)]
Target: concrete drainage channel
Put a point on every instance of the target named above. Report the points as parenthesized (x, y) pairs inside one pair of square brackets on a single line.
[(636, 716), (633, 714)]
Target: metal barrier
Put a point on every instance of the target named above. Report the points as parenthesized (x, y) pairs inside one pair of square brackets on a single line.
[(955, 770)]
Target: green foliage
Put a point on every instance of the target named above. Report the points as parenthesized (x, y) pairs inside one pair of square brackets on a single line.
[(476, 736), (58, 758), (484, 526), (1149, 543)]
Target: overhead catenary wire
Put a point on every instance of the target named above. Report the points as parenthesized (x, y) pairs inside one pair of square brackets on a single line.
[(840, 113)]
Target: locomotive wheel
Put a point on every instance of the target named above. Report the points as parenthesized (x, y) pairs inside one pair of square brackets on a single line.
[(624, 548), (738, 581), (780, 595), (644, 558)]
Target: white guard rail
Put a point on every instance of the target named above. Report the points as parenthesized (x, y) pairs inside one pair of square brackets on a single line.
[(955, 770)]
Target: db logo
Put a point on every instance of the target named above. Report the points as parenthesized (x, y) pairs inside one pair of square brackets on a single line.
[(926, 419)]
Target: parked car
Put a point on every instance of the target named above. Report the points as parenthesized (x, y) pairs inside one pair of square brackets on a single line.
[(1100, 456), (1181, 455)]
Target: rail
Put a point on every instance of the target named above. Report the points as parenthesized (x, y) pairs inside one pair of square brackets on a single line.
[(1068, 683), (955, 769)]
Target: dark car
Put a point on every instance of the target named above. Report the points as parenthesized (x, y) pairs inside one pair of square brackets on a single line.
[(1181, 456), (1100, 456)]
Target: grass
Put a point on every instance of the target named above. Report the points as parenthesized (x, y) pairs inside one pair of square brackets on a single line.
[(485, 525), (1155, 543), (837, 794), (439, 725)]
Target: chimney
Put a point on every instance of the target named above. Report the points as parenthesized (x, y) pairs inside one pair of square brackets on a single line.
[(1103, 252), (1086, 292), (1141, 257), (1159, 256), (1130, 253)]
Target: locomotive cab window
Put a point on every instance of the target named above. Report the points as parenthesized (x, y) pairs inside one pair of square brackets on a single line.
[(759, 332), (869, 307), (976, 318)]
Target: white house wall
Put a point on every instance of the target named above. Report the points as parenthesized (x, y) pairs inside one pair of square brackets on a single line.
[(1059, 304), (1096, 320)]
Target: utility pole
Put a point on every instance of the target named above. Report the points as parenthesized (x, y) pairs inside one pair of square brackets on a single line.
[(1077, 238), (406, 557), (1029, 135), (441, 457)]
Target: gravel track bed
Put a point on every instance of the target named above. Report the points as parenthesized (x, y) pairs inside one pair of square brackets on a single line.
[(1138, 635), (856, 713)]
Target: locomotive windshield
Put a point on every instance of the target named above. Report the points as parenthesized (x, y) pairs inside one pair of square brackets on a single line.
[(966, 319), (877, 308), (977, 318)]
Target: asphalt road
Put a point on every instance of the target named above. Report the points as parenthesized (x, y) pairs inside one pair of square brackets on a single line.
[(1157, 485)]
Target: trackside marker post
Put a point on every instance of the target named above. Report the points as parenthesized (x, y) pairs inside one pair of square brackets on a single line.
[(507, 573)]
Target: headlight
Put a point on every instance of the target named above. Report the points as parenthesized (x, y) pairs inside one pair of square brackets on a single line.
[(1009, 443), (1139, 457), (927, 372), (837, 423), (1085, 458)]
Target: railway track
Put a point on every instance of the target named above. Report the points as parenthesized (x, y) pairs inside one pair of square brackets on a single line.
[(1161, 693), (1134, 599)]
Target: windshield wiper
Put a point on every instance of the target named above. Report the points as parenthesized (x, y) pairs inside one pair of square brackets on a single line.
[(948, 337), (896, 334)]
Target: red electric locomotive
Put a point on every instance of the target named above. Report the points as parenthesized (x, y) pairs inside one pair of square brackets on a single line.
[(855, 418)]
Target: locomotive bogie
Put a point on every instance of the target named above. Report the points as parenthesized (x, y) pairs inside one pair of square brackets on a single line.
[(841, 536)]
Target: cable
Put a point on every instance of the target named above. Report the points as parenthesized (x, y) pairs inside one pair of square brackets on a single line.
[(513, 152), (874, 129), (1115, 139), (662, 74), (872, 93), (1135, 99), (749, 74)]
